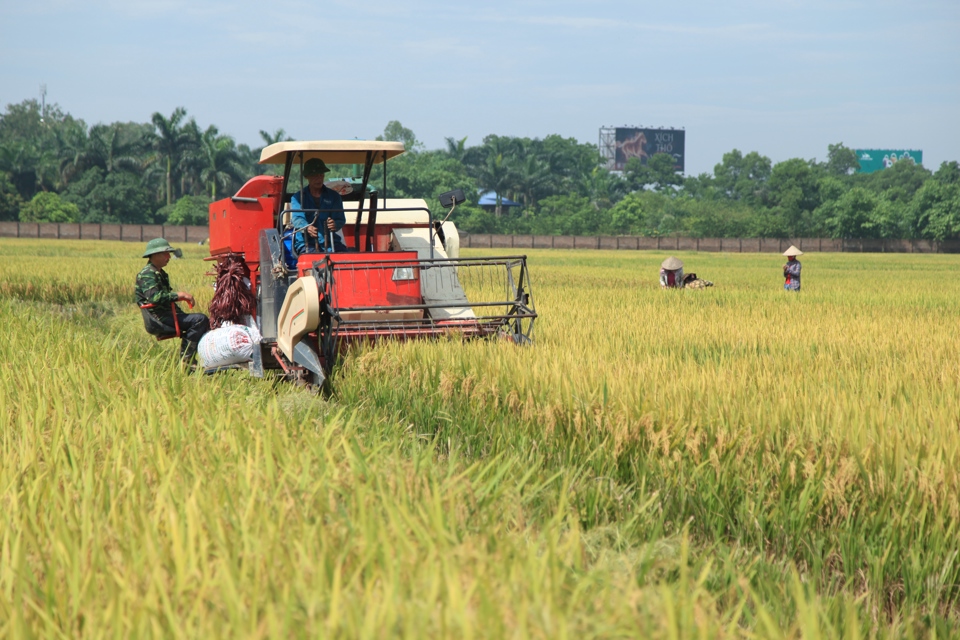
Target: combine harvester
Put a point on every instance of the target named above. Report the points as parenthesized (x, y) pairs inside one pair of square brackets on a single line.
[(401, 278)]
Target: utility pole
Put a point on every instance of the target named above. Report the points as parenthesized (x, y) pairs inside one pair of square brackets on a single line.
[(43, 102)]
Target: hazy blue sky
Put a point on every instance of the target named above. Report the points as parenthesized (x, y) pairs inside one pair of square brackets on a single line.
[(780, 77)]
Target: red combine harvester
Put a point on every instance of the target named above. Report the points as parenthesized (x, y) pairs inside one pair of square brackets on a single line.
[(401, 276)]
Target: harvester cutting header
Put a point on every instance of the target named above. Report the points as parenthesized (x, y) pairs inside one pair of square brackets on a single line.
[(333, 263)]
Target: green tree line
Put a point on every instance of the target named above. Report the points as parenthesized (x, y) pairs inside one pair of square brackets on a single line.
[(53, 167)]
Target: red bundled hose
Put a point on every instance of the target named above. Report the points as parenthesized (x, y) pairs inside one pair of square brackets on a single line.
[(233, 300)]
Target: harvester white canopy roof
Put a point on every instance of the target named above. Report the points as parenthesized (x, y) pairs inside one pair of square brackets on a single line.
[(331, 151)]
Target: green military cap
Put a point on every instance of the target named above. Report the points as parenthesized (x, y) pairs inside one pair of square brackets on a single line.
[(313, 167), (159, 245)]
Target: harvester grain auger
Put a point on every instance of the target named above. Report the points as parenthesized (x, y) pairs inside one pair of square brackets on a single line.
[(400, 278)]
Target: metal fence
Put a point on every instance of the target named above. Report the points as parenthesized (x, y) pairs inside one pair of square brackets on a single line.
[(144, 232), (735, 245)]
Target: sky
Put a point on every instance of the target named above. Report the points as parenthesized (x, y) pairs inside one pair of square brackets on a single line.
[(781, 77)]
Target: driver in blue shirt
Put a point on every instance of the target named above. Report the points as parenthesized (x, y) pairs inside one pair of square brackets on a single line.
[(317, 225)]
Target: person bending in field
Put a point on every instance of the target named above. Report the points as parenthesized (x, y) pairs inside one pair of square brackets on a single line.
[(157, 300), (671, 273), (791, 270), (673, 277), (327, 217)]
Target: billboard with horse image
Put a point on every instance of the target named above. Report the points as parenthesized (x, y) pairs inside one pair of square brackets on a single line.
[(645, 143)]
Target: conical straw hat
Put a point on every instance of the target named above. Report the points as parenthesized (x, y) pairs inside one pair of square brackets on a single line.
[(671, 263), (793, 251)]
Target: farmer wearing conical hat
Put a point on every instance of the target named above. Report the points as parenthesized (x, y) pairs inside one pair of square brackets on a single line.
[(671, 273), (157, 299), (791, 270)]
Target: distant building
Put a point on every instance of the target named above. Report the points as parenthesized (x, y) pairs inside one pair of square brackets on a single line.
[(488, 202)]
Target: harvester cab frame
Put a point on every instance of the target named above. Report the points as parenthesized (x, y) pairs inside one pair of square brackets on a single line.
[(400, 278)]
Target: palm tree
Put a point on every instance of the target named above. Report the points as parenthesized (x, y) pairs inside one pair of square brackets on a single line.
[(112, 147), (248, 159), (495, 175), (218, 159), (47, 169), (169, 142), (456, 149), (277, 136), (494, 172), (191, 160), (532, 180), (19, 160), (71, 143), (268, 139), (31, 168), (603, 187)]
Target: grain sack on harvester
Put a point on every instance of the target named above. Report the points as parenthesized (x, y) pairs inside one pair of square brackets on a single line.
[(391, 272)]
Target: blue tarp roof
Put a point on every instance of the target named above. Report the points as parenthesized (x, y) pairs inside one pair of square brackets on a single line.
[(489, 199)]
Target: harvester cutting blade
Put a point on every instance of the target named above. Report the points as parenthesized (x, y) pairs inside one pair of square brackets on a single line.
[(305, 357)]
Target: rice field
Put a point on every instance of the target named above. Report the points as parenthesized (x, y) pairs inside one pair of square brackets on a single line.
[(738, 461)]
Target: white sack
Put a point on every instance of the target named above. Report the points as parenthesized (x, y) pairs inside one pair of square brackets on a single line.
[(230, 344)]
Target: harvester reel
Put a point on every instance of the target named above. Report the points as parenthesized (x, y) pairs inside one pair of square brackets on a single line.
[(327, 339), (519, 314)]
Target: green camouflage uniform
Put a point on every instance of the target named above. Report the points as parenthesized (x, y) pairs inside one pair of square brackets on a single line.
[(153, 286)]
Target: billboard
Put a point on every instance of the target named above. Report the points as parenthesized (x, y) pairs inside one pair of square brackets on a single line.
[(876, 159), (645, 143)]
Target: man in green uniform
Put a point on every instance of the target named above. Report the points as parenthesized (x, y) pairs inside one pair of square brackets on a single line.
[(153, 288)]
